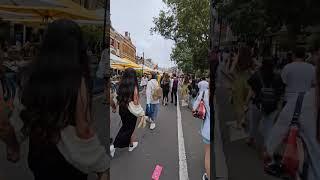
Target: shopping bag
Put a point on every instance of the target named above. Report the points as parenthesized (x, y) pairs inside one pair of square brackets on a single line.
[(200, 112), (290, 158)]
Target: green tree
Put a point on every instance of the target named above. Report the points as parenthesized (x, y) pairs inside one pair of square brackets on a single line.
[(186, 22), (253, 19)]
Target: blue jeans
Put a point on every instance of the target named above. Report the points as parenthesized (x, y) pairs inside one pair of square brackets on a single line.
[(155, 110)]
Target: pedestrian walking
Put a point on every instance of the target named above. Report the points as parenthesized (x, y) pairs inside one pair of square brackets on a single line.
[(56, 113), (153, 100), (184, 91), (205, 129), (241, 70), (166, 88), (128, 92), (266, 88), (174, 89), (298, 76), (143, 84)]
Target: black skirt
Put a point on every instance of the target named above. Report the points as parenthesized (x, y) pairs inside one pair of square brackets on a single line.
[(47, 163), (129, 121)]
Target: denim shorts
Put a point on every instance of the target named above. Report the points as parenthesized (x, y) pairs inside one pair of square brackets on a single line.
[(155, 111), (205, 140)]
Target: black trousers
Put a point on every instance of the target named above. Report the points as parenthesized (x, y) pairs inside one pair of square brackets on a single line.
[(174, 95)]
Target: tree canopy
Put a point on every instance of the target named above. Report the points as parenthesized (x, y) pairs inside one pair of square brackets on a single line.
[(253, 19), (186, 22)]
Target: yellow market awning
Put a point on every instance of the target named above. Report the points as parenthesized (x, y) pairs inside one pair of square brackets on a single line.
[(50, 13), (132, 64)]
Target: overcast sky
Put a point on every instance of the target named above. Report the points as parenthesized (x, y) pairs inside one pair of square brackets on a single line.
[(136, 17)]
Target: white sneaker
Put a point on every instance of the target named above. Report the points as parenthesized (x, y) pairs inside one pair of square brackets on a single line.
[(134, 145), (152, 125), (205, 176), (112, 150)]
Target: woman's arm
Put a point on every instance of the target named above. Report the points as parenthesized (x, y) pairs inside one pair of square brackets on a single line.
[(83, 114), (136, 96)]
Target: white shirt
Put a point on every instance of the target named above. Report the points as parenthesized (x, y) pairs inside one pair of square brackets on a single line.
[(298, 77), (144, 81), (152, 84), (203, 85)]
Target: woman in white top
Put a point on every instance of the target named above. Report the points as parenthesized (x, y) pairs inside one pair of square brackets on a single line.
[(153, 104), (205, 130), (143, 84)]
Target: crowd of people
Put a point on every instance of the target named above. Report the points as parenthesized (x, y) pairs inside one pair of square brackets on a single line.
[(272, 97), (155, 90)]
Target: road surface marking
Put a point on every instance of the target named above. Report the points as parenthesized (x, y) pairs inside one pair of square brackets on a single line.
[(157, 172), (183, 167)]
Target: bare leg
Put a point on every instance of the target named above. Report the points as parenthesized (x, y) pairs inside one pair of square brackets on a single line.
[(207, 159), (133, 137)]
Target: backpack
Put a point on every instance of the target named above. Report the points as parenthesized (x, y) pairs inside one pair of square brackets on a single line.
[(268, 98), (157, 93)]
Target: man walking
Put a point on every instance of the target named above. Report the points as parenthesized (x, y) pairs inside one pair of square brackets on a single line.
[(298, 76), (174, 89)]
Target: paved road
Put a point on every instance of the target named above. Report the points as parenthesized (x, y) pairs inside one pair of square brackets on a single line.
[(160, 146), (20, 171), (242, 162)]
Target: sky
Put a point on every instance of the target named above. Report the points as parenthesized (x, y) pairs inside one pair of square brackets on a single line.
[(136, 17)]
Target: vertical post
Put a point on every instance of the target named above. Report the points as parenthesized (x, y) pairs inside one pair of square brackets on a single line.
[(104, 25), (24, 34), (213, 66), (220, 29)]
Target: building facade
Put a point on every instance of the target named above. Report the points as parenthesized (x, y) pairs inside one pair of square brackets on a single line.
[(121, 45), (90, 4)]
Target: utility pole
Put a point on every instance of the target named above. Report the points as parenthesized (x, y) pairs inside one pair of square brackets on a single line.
[(104, 25), (213, 63)]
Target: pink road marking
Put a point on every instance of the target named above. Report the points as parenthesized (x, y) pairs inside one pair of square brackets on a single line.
[(157, 172)]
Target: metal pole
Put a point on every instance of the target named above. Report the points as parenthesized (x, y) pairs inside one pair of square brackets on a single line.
[(220, 29), (213, 66), (104, 25)]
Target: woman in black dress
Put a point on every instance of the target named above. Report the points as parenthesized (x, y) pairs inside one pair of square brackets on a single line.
[(127, 92)]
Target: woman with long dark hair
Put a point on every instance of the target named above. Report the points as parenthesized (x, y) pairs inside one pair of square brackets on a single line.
[(166, 88), (56, 112), (127, 92)]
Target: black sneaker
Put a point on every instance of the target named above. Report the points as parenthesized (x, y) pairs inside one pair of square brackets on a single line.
[(274, 169)]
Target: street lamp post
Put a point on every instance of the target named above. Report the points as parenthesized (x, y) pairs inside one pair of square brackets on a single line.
[(104, 25), (213, 66)]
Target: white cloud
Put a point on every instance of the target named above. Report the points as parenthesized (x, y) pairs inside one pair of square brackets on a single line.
[(136, 16)]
